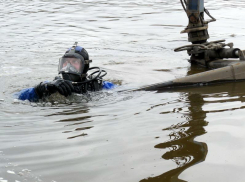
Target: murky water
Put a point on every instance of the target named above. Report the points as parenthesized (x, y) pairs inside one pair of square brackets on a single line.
[(194, 134)]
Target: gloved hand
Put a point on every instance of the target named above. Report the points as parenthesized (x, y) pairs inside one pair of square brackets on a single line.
[(64, 87)]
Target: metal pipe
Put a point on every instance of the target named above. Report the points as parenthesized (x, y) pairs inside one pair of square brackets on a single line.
[(231, 73), (223, 53)]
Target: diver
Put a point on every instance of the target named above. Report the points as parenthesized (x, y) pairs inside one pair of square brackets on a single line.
[(73, 66)]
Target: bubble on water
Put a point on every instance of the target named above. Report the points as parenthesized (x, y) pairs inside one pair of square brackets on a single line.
[(48, 104), (20, 174), (10, 172), (16, 101), (26, 170), (12, 165), (59, 100)]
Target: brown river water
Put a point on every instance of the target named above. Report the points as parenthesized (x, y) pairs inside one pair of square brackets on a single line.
[(190, 134)]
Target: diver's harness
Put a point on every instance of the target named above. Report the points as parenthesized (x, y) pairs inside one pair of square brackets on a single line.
[(93, 81)]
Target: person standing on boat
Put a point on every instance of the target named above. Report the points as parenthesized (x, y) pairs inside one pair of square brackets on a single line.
[(73, 66)]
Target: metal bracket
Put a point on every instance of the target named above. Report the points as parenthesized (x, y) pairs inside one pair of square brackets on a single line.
[(241, 55), (88, 61), (84, 75), (75, 44), (206, 58)]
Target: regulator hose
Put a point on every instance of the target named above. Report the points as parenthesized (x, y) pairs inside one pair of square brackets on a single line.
[(99, 74)]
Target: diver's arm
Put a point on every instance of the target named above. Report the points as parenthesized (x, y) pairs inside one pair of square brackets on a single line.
[(27, 94), (64, 87), (32, 94), (108, 85), (45, 89)]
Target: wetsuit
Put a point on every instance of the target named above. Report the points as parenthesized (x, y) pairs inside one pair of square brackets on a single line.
[(32, 95)]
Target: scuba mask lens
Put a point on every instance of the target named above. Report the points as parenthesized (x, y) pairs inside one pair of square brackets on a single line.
[(69, 68), (70, 65)]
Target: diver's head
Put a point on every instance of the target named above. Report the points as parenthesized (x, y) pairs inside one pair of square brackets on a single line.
[(74, 64)]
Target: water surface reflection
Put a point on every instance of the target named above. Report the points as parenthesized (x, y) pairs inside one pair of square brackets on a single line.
[(184, 150), (112, 137)]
